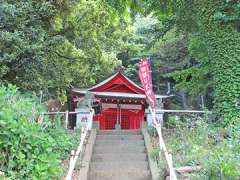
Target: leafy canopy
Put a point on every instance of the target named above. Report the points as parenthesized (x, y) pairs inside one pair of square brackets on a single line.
[(51, 45), (212, 32)]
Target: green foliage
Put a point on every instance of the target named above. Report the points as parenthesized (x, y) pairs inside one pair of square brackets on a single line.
[(171, 121), (223, 41), (152, 131), (228, 12), (138, 45), (226, 69), (52, 45), (195, 142), (154, 155), (212, 31), (195, 76), (207, 146), (27, 149)]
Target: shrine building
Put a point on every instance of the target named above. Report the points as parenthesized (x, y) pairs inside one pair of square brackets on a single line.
[(118, 102)]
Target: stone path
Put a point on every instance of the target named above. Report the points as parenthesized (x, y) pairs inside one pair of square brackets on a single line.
[(119, 155)]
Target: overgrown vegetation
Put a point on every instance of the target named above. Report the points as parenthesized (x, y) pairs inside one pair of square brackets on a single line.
[(193, 141), (208, 65), (30, 147), (210, 32)]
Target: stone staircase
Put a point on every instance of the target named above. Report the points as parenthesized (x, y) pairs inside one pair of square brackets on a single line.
[(119, 155)]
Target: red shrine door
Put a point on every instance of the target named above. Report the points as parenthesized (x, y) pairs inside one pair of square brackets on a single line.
[(127, 119), (110, 120), (114, 117)]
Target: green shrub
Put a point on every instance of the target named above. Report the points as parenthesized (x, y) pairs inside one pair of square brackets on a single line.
[(27, 150), (196, 142), (154, 155), (205, 145), (171, 121), (152, 131)]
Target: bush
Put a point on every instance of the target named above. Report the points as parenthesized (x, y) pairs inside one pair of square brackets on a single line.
[(196, 142), (152, 131), (154, 155), (208, 146), (27, 150)]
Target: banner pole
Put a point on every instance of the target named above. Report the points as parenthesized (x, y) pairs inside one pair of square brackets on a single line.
[(146, 81), (150, 64)]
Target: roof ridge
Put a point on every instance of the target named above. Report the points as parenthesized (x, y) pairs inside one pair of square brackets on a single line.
[(113, 76)]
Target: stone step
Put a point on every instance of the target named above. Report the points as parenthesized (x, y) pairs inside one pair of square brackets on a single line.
[(120, 141), (119, 137), (123, 166), (120, 175), (119, 149), (119, 157), (120, 145), (119, 132)]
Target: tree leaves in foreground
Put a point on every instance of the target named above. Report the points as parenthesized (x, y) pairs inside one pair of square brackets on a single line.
[(51, 45)]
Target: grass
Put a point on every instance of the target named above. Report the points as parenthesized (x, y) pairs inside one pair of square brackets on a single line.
[(196, 142)]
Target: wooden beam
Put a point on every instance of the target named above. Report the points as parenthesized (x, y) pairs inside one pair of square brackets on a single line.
[(188, 169), (183, 170)]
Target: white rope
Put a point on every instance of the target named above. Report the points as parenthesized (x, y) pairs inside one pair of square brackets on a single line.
[(162, 145)]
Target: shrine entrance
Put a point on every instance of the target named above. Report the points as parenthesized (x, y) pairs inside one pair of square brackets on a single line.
[(125, 121), (118, 102), (117, 119), (121, 116)]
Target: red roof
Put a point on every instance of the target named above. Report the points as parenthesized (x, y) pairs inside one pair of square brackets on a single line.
[(117, 85), (118, 82)]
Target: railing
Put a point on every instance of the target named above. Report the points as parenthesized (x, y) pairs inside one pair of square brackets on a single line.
[(67, 113), (158, 126), (75, 156), (84, 131), (162, 145)]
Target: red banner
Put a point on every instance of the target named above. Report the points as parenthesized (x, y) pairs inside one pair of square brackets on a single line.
[(145, 78)]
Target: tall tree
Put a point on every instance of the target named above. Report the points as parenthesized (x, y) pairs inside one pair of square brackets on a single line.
[(212, 29), (51, 45)]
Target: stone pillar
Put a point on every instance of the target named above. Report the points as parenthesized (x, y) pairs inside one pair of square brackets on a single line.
[(83, 117), (159, 116)]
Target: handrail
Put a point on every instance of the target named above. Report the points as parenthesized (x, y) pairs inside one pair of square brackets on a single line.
[(180, 111), (66, 116), (162, 145), (73, 160), (84, 132)]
